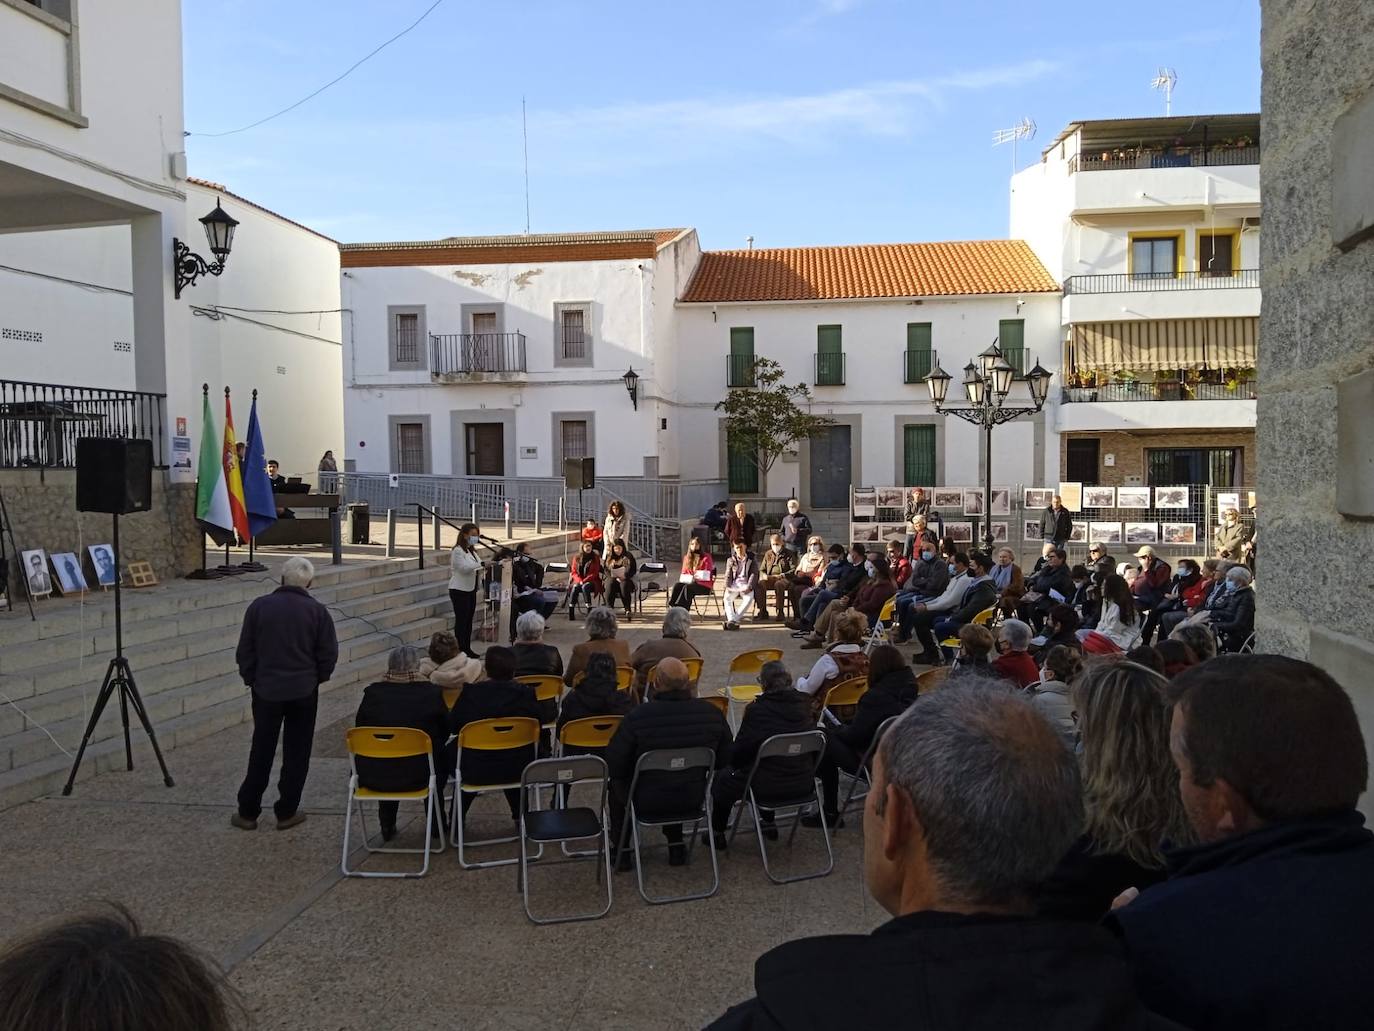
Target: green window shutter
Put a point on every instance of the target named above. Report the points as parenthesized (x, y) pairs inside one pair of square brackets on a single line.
[(1011, 338), (742, 473), (828, 340), (918, 456), (918, 355), (741, 361), (742, 340)]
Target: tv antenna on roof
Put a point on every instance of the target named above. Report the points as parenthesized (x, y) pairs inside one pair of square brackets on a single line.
[(1165, 79), (1023, 130)]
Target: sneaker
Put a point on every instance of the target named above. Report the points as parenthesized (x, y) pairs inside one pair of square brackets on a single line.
[(799, 634), (294, 820), (242, 822), (832, 820), (725, 624)]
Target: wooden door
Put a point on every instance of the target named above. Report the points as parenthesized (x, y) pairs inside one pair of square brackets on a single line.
[(486, 448)]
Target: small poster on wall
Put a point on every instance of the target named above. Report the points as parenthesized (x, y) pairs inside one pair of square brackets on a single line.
[(999, 532), (36, 578), (1071, 496), (69, 575), (891, 497), (960, 532), (863, 533), (1171, 497), (1104, 533), (1030, 530), (973, 502), (1227, 499), (1038, 497), (1079, 533), (1133, 497), (865, 503), (947, 497), (1179, 533), (1099, 497), (1142, 533), (1001, 501)]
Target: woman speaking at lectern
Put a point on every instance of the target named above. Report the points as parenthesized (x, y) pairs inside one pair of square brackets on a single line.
[(466, 578)]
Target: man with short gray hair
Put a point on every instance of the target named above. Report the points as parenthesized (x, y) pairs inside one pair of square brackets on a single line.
[(974, 802), (287, 649)]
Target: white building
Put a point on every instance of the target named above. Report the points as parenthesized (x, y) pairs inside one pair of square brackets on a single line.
[(1152, 226), (73, 291), (859, 326), (501, 356)]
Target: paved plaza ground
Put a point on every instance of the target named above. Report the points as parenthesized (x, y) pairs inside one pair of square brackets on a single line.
[(307, 948)]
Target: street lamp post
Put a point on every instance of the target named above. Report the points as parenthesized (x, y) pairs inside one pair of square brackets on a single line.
[(987, 385)]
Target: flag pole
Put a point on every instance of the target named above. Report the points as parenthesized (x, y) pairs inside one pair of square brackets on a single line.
[(204, 572), (252, 565)]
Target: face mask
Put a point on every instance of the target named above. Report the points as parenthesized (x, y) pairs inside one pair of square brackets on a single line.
[(777, 549), (952, 570), (927, 555), (816, 549), (868, 568), (1231, 586), (1078, 585)]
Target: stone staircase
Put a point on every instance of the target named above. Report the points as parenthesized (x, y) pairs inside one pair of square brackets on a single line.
[(180, 638)]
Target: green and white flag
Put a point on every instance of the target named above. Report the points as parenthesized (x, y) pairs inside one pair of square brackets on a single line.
[(212, 496)]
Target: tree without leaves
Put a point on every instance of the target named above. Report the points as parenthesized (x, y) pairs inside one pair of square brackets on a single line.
[(767, 419)]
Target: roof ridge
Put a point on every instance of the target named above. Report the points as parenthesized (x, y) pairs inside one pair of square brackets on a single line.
[(221, 188), (520, 239)]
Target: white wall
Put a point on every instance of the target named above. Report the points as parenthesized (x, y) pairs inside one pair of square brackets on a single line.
[(629, 313), (874, 340)]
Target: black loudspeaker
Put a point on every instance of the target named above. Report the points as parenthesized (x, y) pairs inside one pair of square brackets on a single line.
[(114, 475), (579, 473)]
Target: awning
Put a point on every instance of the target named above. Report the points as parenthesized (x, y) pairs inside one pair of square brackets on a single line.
[(1154, 344)]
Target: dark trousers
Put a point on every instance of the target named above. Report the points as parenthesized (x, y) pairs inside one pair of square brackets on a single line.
[(838, 756), (294, 722), (464, 605), (779, 585), (512, 800), (620, 806), (933, 627), (817, 605), (622, 591), (583, 591), (684, 593)]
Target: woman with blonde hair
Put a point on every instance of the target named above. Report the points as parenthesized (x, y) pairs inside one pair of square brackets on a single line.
[(1131, 801)]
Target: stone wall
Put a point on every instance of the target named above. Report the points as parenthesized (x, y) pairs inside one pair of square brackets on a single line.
[(1317, 325), (1130, 447), (42, 507)]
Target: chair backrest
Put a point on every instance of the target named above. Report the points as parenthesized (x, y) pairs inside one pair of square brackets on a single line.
[(846, 692), (590, 731), (566, 771), (694, 668), (790, 746), (889, 607), (547, 687), (556, 567), (653, 567), (387, 742), (720, 702), (675, 760), (624, 677), (752, 661), (985, 617), (931, 679), (500, 734)]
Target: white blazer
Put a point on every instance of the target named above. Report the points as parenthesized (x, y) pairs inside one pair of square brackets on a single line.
[(464, 568)]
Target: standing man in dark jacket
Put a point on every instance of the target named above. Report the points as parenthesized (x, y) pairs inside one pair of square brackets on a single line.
[(500, 696), (1265, 925), (1056, 522), (796, 528), (974, 801), (404, 698), (674, 717), (780, 709), (287, 649)]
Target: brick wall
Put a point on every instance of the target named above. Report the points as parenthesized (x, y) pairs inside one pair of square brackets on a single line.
[(1129, 451)]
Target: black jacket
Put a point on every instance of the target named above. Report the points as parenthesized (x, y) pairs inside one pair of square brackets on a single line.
[(1056, 526), (1084, 884), (1052, 578), (594, 697), (287, 647), (1266, 930), (888, 696), (775, 712), (947, 971), (418, 704), (526, 574), (493, 699), (928, 579), (977, 597), (534, 659), (795, 530), (670, 720), (1234, 618), (853, 577)]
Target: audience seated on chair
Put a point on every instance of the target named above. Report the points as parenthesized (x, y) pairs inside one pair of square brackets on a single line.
[(698, 575), (496, 697), (898, 563), (1233, 617), (1195, 597), (775, 575), (584, 576), (928, 580), (1011, 584), (673, 717), (1118, 630), (891, 690), (1150, 586), (1185, 592), (1061, 628), (601, 637), (841, 578), (741, 581), (532, 656), (446, 667), (1265, 924), (976, 593), (868, 597), (1051, 694), (620, 570), (1051, 585), (975, 800), (1013, 662), (779, 709), (405, 698), (527, 585), (102, 971), (810, 568), (677, 623), (911, 608), (596, 694), (1130, 792), (971, 661), (841, 660)]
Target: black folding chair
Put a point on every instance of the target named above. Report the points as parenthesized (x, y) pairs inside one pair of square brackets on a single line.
[(563, 823), (864, 775), (786, 746), (687, 763)]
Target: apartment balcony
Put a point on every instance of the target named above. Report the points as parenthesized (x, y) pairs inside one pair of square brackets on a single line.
[(829, 369), (1115, 159), (739, 370), (1183, 295), (477, 357), (1240, 387), (1185, 399), (1125, 282)]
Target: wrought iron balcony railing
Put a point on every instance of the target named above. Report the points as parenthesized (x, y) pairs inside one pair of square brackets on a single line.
[(468, 353), (1126, 282), (40, 422)]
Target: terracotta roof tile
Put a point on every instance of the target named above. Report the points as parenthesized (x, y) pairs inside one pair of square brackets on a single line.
[(869, 270)]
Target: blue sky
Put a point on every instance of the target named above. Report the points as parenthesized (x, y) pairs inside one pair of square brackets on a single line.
[(802, 122)]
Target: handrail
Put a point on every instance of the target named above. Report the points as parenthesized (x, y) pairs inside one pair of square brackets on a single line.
[(420, 527)]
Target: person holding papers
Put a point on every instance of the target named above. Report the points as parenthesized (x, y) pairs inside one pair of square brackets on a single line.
[(1052, 585), (698, 576)]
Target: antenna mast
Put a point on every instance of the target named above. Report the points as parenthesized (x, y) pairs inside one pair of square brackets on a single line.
[(1165, 79), (1023, 130), (525, 137)]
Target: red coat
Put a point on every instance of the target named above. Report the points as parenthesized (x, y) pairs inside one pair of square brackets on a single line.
[(1018, 667), (901, 572), (1194, 596), (586, 569)]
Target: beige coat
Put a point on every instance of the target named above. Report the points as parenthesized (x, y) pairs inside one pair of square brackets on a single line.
[(452, 675)]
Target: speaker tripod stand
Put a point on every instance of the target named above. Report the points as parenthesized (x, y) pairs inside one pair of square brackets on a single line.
[(7, 531), (119, 676)]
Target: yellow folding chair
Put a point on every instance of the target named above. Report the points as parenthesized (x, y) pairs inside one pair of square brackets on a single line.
[(886, 619), (624, 677), (845, 692), (493, 735), (547, 688), (983, 618), (931, 679), (389, 743), (720, 702), (694, 667), (740, 695), (590, 732)]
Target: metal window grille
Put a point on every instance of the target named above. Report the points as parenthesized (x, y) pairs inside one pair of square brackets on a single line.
[(573, 335), (408, 338), (1215, 467), (410, 447), (574, 439)]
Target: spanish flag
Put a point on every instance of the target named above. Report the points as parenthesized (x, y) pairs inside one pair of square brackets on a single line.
[(212, 499), (232, 478)]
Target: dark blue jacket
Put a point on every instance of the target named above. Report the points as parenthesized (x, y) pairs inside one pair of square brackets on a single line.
[(287, 647), (1263, 931)]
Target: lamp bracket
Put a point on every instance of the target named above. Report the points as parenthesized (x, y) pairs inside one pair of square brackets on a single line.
[(188, 266)]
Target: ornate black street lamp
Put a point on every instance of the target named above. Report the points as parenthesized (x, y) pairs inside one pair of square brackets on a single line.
[(187, 266), (987, 385), (631, 379)]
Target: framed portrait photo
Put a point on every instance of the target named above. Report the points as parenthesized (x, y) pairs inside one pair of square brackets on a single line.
[(37, 579), (69, 575), (103, 562)]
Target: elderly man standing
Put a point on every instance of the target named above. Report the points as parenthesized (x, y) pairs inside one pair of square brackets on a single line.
[(740, 527), (287, 649), (796, 528), (1056, 522), (974, 801)]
